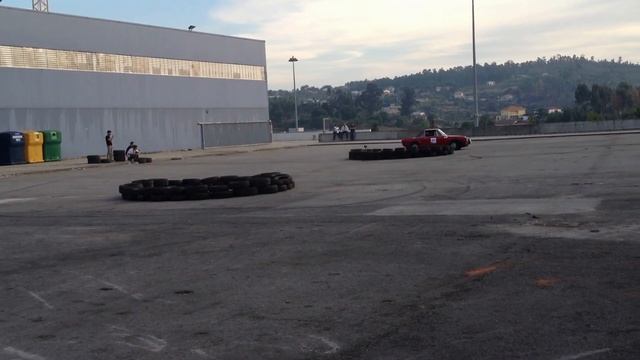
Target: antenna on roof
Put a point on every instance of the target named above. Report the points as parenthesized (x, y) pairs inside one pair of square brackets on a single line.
[(41, 5)]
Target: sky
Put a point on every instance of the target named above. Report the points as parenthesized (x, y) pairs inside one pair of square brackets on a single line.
[(337, 41)]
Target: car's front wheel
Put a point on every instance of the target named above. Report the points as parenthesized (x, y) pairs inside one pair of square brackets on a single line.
[(454, 145)]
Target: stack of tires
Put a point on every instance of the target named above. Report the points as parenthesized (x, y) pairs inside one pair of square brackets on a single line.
[(215, 187), (397, 153)]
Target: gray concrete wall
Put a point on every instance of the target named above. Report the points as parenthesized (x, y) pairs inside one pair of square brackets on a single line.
[(158, 112), (588, 126), (297, 136)]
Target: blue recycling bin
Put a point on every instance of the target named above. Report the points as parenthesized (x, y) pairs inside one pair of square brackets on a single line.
[(11, 148)]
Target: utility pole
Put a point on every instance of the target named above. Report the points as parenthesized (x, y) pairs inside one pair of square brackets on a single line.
[(475, 65), (293, 61), (41, 5)]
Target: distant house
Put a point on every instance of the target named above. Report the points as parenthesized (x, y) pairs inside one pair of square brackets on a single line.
[(458, 95), (512, 115), (513, 111), (506, 97), (491, 83), (392, 110), (554, 111)]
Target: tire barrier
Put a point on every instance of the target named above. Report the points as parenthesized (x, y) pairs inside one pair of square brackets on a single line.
[(119, 156), (397, 153), (216, 187), (93, 159), (97, 159)]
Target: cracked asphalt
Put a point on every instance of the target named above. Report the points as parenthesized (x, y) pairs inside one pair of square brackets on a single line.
[(525, 249)]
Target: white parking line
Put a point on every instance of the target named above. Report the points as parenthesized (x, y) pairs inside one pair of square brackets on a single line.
[(16, 200)]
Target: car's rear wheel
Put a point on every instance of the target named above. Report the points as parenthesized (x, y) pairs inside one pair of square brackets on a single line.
[(414, 149)]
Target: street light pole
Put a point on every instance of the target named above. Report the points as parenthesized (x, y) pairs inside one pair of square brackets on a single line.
[(475, 65), (293, 60)]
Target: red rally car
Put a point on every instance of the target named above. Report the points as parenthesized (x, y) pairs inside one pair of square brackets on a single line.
[(435, 140)]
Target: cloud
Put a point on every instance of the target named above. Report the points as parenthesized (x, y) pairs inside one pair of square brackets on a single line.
[(339, 41)]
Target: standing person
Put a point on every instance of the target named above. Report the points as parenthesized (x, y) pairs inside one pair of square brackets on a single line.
[(345, 131), (336, 130), (109, 140), (353, 131)]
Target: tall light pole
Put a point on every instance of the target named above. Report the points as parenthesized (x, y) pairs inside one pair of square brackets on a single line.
[(475, 65), (293, 60)]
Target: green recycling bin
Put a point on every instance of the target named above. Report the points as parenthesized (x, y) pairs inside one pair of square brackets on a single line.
[(52, 148)]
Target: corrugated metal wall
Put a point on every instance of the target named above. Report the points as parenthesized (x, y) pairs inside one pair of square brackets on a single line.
[(158, 112)]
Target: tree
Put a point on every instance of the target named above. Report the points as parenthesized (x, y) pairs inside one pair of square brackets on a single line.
[(370, 100), (407, 101), (582, 94), (601, 98), (342, 105)]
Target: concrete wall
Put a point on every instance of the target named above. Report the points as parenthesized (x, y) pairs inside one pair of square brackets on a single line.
[(589, 126), (158, 112), (297, 136)]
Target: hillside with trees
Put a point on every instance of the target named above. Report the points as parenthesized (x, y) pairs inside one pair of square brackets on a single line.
[(446, 96)]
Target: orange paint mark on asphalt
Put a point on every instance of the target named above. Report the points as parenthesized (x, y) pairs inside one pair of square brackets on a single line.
[(481, 271), (546, 282), (485, 270)]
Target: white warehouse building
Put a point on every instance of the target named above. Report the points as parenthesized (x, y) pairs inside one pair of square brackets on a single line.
[(156, 86)]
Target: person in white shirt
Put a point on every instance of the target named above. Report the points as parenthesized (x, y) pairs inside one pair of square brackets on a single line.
[(344, 132), (133, 153)]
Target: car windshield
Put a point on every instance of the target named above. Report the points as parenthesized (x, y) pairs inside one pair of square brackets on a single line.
[(436, 132)]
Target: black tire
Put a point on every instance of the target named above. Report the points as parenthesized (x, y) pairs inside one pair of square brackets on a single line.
[(93, 159), (399, 153), (269, 174), (455, 145), (451, 148), (283, 187), (145, 194), (387, 154), (240, 184), (271, 189), (132, 193), (260, 181), (218, 188), (228, 178), (222, 194), (414, 150), (160, 182), (196, 189), (354, 154), (249, 191), (214, 180), (145, 183), (191, 182), (119, 155)]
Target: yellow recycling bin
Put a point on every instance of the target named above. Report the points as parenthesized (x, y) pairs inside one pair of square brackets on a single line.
[(33, 141)]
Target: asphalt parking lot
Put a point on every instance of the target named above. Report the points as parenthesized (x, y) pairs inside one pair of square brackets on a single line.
[(525, 249)]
